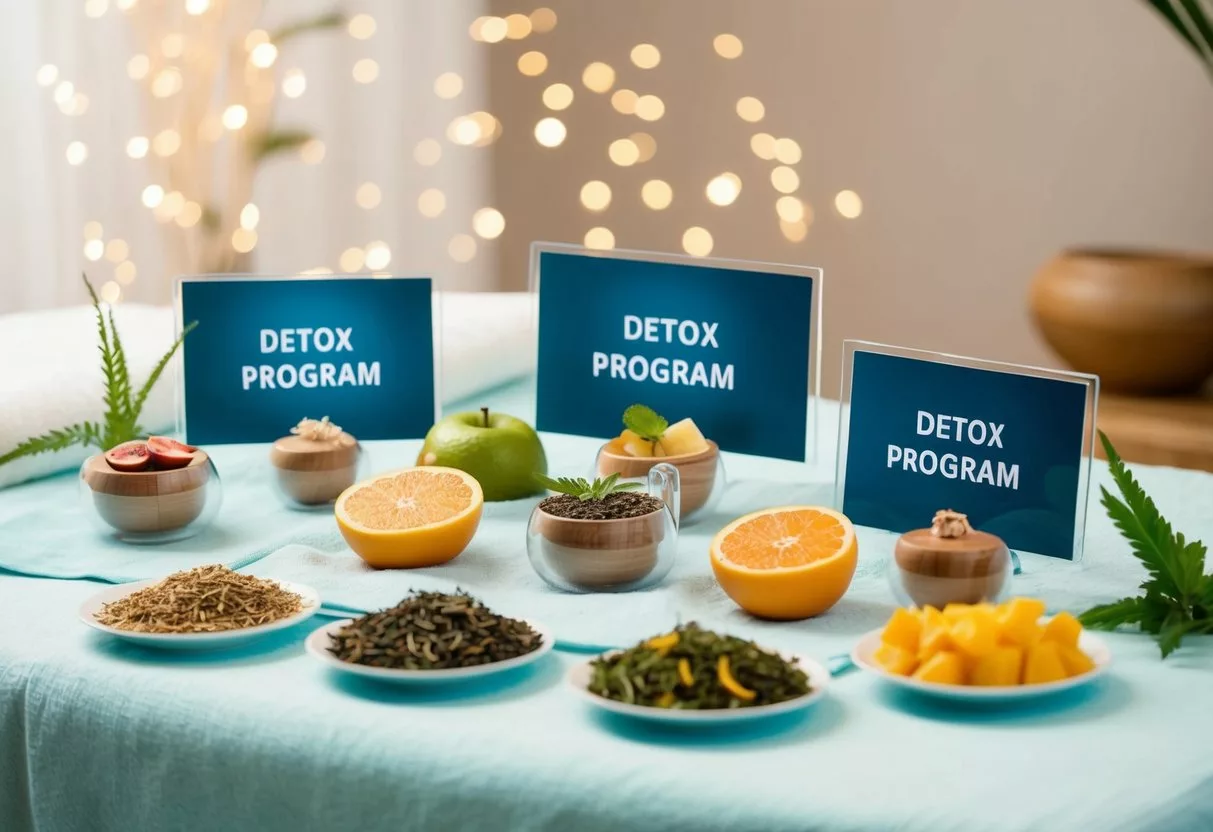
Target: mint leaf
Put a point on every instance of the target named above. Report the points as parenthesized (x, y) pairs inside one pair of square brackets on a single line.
[(644, 422)]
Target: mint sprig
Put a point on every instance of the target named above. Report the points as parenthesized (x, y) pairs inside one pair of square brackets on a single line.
[(645, 422), (1177, 597), (583, 489)]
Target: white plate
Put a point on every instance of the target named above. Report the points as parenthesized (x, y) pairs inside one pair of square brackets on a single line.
[(318, 643), (1092, 645), (193, 641), (579, 676)]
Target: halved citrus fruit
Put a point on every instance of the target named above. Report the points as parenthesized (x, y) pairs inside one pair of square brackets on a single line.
[(786, 563), (415, 517)]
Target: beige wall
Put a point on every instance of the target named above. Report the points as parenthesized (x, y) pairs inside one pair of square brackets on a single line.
[(982, 135)]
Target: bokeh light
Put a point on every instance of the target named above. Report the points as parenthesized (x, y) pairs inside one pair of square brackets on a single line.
[(763, 145), (125, 272), (596, 195), (532, 63), (368, 195), (136, 147), (488, 223), (543, 20), (598, 77), (697, 241), (448, 85), (263, 55), (312, 151), (235, 117), (361, 26), (110, 292), (117, 250), (152, 196), (624, 101), (352, 260), (517, 26), (558, 96), (461, 248), (723, 189), (848, 204), (378, 255), (750, 109), (431, 203), (244, 240), (727, 46), (657, 194), (646, 144), (789, 208), (794, 231), (427, 152), (646, 55), (93, 250), (787, 151), (167, 142), (650, 107), (294, 83), (624, 152), (550, 132), (785, 180), (76, 153), (366, 71), (600, 238), (167, 82)]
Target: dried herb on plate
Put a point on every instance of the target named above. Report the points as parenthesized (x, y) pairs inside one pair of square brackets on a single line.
[(208, 599), (696, 669), (434, 631)]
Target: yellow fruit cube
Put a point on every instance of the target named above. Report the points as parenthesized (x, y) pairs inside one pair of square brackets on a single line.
[(955, 612), (894, 659), (903, 630), (1001, 667), (682, 438), (976, 634), (944, 668), (1074, 660), (1018, 621), (1043, 664), (1062, 628), (935, 635), (634, 445)]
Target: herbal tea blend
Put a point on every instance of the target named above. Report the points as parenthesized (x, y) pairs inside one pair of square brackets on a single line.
[(434, 631), (695, 669), (204, 600)]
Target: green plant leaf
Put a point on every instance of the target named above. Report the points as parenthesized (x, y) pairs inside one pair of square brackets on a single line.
[(328, 20), (644, 422), (583, 489), (1163, 7), (115, 406), (122, 420), (1189, 20), (277, 141), (141, 396), (82, 433), (1110, 616)]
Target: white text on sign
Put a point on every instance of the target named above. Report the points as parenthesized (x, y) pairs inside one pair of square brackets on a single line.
[(309, 374), (951, 466), (663, 370)]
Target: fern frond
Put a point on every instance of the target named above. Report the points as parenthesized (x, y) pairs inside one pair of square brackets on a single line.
[(83, 433), (141, 396), (114, 405), (119, 422)]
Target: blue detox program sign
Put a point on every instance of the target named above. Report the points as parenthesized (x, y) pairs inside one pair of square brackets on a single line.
[(267, 353), (728, 347), (1005, 448)]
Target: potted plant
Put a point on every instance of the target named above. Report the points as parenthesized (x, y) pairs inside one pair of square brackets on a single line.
[(605, 535)]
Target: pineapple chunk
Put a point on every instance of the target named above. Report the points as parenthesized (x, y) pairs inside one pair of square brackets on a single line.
[(903, 631), (976, 634), (944, 668), (1018, 618), (1000, 668), (680, 439), (894, 659), (1074, 660), (1062, 628), (1043, 664), (935, 635), (633, 445)]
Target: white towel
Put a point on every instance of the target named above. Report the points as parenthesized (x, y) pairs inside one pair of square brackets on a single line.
[(50, 368)]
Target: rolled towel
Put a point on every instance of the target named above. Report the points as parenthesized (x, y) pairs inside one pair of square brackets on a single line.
[(52, 375)]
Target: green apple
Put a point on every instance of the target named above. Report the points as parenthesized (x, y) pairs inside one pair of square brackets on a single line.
[(502, 452)]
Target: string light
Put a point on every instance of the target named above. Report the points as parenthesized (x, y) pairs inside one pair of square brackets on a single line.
[(312, 151), (431, 203), (294, 83), (448, 85), (47, 75), (137, 67), (361, 26), (250, 215), (543, 20), (76, 153), (787, 151), (189, 215), (750, 108), (125, 273), (167, 142), (461, 248), (646, 144), (197, 7), (727, 46), (93, 250), (153, 195), (378, 255), (235, 116), (368, 195), (167, 82), (600, 238), (657, 194), (624, 152), (848, 204), (763, 145), (488, 223), (366, 71), (494, 29), (723, 189), (646, 55), (550, 132), (172, 45), (244, 240), (785, 180), (532, 64), (650, 107), (110, 292), (624, 101), (93, 230), (697, 241), (789, 208), (427, 152), (352, 259), (95, 8), (517, 26), (558, 96), (596, 195), (598, 77), (116, 250)]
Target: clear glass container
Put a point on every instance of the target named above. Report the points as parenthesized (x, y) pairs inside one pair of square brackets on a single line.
[(927, 570), (701, 475), (617, 555), (310, 475), (150, 506)]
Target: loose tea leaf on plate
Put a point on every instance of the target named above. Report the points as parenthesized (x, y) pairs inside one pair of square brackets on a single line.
[(434, 631), (696, 669)]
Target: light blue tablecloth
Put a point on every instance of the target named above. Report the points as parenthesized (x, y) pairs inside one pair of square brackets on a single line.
[(98, 735)]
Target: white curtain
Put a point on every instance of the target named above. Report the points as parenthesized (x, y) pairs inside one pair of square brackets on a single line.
[(308, 213)]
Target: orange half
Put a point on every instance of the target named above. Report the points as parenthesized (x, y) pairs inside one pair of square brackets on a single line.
[(415, 517), (786, 563)]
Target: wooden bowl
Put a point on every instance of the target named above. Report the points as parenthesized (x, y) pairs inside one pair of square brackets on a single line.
[(148, 501), (696, 472), (313, 473), (939, 571), (1141, 321), (600, 553)]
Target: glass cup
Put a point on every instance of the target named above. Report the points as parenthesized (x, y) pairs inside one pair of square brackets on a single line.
[(701, 475), (617, 555), (922, 576), (150, 506)]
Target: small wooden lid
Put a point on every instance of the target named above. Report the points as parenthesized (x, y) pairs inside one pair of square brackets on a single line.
[(99, 476), (295, 453), (973, 554)]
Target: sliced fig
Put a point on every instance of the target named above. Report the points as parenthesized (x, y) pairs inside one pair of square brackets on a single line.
[(169, 453), (129, 456)]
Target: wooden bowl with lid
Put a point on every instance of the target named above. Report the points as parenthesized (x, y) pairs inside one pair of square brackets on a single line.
[(148, 502), (950, 563), (313, 472)]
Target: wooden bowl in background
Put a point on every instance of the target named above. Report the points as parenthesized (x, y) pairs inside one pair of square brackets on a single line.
[(313, 473), (600, 553), (1141, 321), (148, 501), (696, 472)]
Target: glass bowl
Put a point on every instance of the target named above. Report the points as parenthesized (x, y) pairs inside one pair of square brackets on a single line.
[(311, 475), (701, 475), (616, 555), (937, 572), (150, 506)]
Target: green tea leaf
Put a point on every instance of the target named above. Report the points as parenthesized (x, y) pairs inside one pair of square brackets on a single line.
[(644, 422)]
